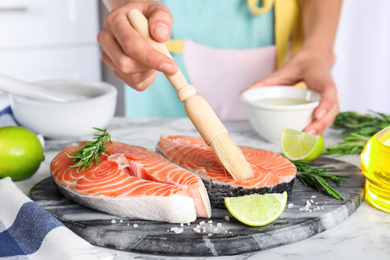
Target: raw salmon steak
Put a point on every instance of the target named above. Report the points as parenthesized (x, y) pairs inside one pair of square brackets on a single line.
[(134, 182), (273, 173)]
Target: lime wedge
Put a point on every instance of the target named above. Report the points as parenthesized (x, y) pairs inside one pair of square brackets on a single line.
[(298, 145), (255, 209)]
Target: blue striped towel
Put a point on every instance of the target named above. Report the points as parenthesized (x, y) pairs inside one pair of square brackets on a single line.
[(29, 232), (7, 117)]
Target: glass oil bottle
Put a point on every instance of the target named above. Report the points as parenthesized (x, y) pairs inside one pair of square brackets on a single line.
[(375, 162)]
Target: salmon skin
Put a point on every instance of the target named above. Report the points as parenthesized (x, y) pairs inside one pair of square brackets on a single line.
[(134, 182), (273, 173)]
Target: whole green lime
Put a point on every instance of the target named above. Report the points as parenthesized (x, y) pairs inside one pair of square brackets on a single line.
[(21, 152)]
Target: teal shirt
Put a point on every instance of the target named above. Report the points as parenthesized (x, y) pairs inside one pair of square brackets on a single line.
[(226, 24)]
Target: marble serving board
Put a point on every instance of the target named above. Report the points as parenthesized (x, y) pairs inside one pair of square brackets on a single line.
[(307, 213)]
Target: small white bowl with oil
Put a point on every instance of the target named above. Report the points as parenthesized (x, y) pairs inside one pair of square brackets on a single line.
[(271, 108)]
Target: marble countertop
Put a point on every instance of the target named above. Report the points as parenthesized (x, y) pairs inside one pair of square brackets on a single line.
[(364, 235)]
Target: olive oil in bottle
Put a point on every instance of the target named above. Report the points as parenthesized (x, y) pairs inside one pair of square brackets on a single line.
[(375, 162)]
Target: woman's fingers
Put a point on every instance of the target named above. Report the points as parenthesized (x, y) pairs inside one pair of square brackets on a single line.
[(139, 80), (318, 126), (326, 111), (285, 76), (119, 60), (160, 22), (131, 58), (134, 46), (135, 80)]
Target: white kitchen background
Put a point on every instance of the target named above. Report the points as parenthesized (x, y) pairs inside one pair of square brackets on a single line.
[(46, 39)]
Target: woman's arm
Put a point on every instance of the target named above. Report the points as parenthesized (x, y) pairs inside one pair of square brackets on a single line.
[(320, 19), (320, 23)]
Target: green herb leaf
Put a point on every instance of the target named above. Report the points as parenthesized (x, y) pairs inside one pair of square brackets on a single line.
[(357, 130), (89, 152), (314, 177)]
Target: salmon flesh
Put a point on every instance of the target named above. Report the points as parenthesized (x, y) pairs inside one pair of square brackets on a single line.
[(132, 181), (273, 173)]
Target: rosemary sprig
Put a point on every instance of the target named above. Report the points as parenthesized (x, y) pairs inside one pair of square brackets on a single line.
[(91, 150), (357, 130), (352, 144), (314, 177)]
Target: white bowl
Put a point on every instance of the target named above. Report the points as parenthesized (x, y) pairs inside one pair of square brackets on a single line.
[(268, 117), (68, 120)]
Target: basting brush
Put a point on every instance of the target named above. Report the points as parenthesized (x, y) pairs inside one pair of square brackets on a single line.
[(199, 111)]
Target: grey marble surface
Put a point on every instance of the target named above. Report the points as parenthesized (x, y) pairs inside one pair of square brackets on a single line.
[(364, 235), (307, 213)]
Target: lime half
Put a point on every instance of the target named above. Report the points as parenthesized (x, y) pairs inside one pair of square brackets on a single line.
[(298, 145), (255, 209)]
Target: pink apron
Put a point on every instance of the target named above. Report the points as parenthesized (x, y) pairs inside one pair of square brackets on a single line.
[(219, 75)]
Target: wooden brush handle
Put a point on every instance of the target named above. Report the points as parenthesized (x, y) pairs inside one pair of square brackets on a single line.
[(197, 109)]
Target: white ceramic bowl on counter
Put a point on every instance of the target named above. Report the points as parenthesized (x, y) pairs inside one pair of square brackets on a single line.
[(269, 109), (71, 119)]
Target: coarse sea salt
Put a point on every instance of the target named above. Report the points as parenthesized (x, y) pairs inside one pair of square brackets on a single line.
[(290, 205), (202, 228), (306, 207), (177, 230), (113, 221), (310, 203), (197, 229)]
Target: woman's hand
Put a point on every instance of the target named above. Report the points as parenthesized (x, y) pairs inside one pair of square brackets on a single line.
[(133, 60), (315, 70)]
